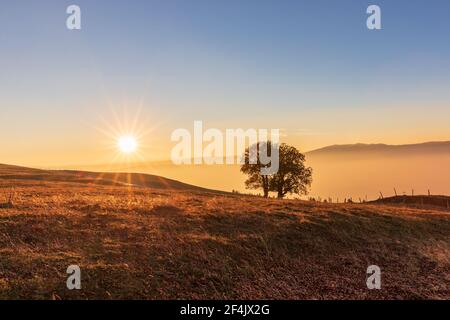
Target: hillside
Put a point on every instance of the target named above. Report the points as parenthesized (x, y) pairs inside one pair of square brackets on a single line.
[(8, 172), (418, 201), (440, 147), (154, 243), (365, 170)]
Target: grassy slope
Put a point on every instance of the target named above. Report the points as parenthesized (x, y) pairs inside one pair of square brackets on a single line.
[(158, 244), (419, 201), (8, 172)]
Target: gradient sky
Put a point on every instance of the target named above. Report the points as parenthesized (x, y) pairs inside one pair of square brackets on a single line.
[(311, 68)]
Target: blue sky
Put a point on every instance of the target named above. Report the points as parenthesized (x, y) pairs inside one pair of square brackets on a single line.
[(296, 65)]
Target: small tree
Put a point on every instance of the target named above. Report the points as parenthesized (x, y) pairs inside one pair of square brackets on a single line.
[(292, 177)]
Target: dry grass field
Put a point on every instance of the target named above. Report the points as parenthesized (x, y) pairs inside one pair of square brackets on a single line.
[(139, 242)]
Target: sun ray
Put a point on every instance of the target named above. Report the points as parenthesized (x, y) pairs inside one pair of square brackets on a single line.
[(127, 136)]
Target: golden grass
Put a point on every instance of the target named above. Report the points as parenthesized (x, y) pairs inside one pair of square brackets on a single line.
[(142, 243)]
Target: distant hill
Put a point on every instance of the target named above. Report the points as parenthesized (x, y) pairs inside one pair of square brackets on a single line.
[(384, 149), (365, 170), (9, 172)]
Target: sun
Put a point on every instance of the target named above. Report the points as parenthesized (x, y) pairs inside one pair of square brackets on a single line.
[(127, 144)]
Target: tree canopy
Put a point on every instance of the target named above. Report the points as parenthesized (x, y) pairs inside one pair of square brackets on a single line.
[(292, 177)]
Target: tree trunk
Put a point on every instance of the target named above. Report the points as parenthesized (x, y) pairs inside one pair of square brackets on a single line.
[(280, 193), (280, 188), (266, 186)]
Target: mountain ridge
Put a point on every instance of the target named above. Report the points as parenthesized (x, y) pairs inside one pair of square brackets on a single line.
[(435, 146)]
